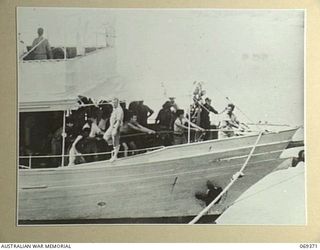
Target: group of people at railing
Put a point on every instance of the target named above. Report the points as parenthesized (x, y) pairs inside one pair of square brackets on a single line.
[(105, 127), (118, 126)]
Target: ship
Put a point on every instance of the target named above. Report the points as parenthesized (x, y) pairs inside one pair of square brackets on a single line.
[(161, 182)]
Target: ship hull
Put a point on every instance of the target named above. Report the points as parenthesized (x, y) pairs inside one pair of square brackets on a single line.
[(161, 183)]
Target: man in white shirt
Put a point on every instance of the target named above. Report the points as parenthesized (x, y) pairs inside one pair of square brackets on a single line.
[(179, 128), (228, 122), (113, 132)]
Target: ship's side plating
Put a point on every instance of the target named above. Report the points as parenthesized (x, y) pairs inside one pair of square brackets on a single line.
[(161, 183)]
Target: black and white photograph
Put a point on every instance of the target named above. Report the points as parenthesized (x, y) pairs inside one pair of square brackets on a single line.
[(161, 116)]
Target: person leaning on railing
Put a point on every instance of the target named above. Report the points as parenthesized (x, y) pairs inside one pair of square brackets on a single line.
[(131, 126), (228, 122), (74, 152), (179, 128)]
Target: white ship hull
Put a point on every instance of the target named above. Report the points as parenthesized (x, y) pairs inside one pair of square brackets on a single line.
[(160, 183)]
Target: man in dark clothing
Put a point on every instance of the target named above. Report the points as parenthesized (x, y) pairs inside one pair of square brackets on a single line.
[(164, 116), (144, 112), (204, 115), (133, 107), (123, 105), (43, 49)]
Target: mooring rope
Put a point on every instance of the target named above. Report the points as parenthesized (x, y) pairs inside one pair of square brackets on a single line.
[(233, 180)]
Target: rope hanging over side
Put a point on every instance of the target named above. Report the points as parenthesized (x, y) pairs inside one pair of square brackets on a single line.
[(233, 180)]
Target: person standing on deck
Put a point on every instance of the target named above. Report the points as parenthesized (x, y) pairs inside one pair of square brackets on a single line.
[(228, 122), (173, 114), (179, 127), (104, 116), (123, 105), (164, 116), (204, 115), (133, 107), (113, 132), (144, 112), (43, 49)]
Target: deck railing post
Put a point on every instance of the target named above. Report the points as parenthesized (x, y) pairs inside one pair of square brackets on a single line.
[(65, 53), (30, 161), (189, 125), (63, 138)]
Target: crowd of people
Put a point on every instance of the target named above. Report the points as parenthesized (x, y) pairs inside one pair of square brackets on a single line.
[(116, 124), (123, 126)]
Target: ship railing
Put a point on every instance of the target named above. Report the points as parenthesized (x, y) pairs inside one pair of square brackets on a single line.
[(32, 49), (66, 56), (30, 158)]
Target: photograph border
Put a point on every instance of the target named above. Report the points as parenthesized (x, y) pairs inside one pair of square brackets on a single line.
[(155, 233)]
